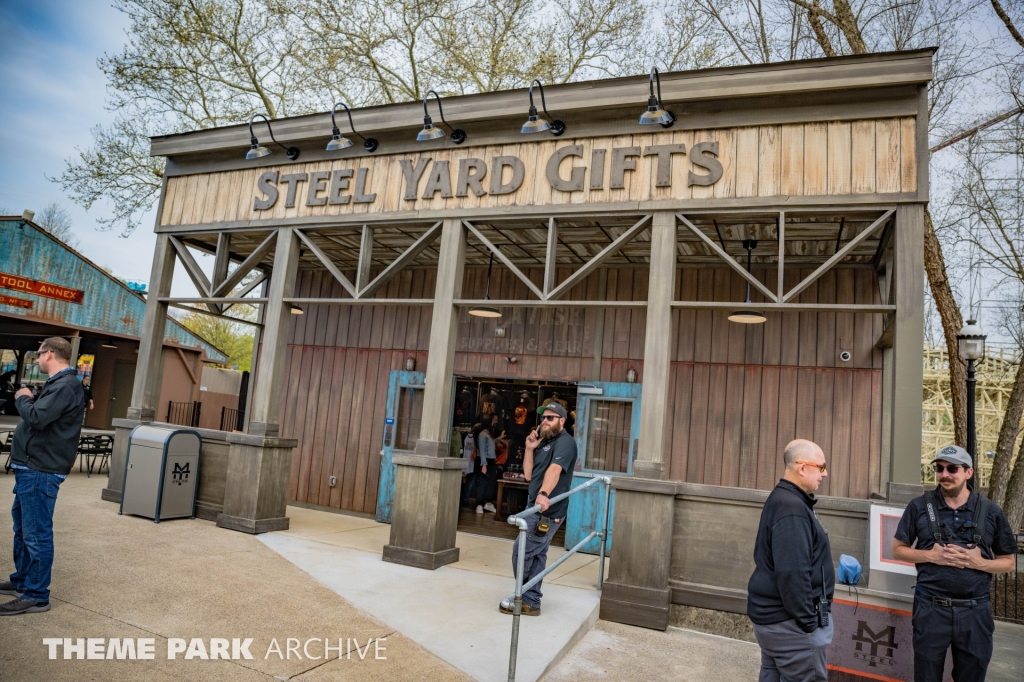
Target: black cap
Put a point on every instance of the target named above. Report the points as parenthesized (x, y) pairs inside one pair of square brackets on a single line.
[(557, 409)]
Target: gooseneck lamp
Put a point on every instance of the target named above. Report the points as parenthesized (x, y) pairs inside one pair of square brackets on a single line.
[(430, 132), (486, 310), (747, 315), (339, 141), (655, 113), (258, 151), (536, 124)]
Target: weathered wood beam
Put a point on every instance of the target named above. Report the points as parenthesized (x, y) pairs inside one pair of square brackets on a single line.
[(327, 263), (584, 270), (551, 257), (360, 301), (787, 307), (365, 259), (403, 260), (550, 303), (241, 293), (192, 269), (504, 259), (730, 261), (782, 257), (839, 255), (208, 300), (246, 266)]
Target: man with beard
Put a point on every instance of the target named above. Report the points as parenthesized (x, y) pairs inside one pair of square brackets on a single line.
[(962, 539), (548, 464)]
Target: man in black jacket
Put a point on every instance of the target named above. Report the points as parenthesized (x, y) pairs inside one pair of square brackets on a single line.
[(790, 592), (44, 448)]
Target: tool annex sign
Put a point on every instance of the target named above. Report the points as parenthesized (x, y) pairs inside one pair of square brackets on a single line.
[(427, 178)]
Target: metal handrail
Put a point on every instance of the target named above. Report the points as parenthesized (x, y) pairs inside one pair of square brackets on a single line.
[(519, 520)]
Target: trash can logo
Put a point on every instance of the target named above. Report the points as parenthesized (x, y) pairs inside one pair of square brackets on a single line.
[(180, 473), (884, 639)]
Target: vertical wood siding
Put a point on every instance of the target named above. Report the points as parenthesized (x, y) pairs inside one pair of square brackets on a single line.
[(738, 393)]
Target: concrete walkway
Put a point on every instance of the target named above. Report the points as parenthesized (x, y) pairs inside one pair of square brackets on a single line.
[(126, 577), (344, 553)]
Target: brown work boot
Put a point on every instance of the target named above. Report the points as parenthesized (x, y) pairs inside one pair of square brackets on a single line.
[(508, 606)]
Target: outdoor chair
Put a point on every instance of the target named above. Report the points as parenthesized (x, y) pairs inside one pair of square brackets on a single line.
[(102, 449), (85, 445)]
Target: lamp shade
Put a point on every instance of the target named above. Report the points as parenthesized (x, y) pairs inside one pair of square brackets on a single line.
[(109, 343), (655, 114), (430, 131), (338, 141), (296, 310), (747, 317), (535, 124), (257, 151), (484, 311), (971, 341)]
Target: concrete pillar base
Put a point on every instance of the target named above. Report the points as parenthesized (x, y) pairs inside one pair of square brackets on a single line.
[(650, 470), (425, 511), (118, 457), (255, 492), (637, 590)]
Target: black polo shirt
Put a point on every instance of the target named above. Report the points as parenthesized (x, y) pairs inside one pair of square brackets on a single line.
[(947, 581), (560, 450)]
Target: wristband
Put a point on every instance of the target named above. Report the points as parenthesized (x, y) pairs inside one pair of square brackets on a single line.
[(543, 493)]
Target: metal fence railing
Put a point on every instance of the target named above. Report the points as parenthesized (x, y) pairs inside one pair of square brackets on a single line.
[(519, 520), (1008, 594), (230, 420), (184, 414)]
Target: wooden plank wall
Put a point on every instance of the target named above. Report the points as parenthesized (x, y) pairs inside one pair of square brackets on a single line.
[(738, 393), (801, 159)]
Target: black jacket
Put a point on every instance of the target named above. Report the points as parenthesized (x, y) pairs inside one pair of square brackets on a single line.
[(791, 552), (46, 438)]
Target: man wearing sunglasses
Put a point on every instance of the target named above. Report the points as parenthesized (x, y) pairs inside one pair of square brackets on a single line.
[(44, 448), (961, 540), (548, 463), (789, 595)]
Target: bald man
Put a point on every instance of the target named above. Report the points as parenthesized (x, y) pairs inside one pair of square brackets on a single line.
[(794, 575)]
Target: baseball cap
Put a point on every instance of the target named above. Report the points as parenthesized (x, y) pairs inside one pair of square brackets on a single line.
[(954, 454), (556, 408)]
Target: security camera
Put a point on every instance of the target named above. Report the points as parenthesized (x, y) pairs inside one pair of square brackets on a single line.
[(845, 356)]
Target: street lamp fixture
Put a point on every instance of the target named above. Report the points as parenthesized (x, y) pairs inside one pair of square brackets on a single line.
[(258, 151), (296, 310), (536, 124), (430, 132), (971, 345), (655, 113), (338, 141)]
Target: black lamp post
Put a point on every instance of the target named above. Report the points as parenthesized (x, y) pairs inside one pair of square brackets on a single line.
[(971, 346)]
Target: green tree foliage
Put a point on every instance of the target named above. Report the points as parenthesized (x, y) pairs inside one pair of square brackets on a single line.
[(234, 338), (191, 64)]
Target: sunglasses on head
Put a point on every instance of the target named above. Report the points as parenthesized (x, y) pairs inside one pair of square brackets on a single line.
[(951, 468), (819, 467), (549, 417)]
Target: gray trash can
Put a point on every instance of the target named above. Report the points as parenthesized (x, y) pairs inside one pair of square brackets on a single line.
[(161, 473)]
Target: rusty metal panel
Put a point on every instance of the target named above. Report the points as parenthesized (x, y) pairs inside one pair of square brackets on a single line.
[(108, 307)]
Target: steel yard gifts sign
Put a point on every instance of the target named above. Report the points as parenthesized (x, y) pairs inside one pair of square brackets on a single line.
[(33, 286)]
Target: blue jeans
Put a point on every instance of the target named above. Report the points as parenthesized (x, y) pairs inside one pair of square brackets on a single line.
[(536, 558), (35, 495)]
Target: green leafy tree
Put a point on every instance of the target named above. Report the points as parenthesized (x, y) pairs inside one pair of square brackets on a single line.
[(234, 338)]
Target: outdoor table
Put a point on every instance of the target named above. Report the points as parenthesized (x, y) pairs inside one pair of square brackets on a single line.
[(505, 484)]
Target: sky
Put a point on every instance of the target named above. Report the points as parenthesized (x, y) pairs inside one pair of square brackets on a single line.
[(51, 95)]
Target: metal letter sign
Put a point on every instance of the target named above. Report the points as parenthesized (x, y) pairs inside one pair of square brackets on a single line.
[(180, 473)]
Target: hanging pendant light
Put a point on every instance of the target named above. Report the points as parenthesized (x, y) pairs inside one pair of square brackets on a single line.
[(258, 151), (654, 113), (486, 310), (536, 124), (748, 315), (339, 141), (431, 132)]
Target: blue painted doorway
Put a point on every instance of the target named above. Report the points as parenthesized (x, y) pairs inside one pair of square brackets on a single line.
[(404, 410), (607, 428)]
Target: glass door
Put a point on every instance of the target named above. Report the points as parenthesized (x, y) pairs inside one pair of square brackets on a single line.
[(404, 410), (607, 428)]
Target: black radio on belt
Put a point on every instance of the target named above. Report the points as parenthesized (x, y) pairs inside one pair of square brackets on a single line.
[(822, 604)]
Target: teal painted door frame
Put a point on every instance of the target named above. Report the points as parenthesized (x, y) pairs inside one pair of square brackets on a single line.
[(584, 515), (398, 380)]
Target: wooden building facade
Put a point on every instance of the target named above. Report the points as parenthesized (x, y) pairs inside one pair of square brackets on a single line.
[(614, 254)]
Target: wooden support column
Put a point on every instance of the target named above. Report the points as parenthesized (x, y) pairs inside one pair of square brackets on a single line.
[(425, 509), (658, 344), (256, 486), (908, 341), (149, 367)]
